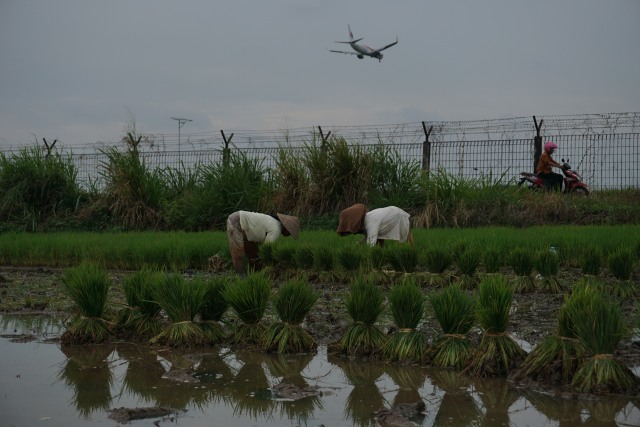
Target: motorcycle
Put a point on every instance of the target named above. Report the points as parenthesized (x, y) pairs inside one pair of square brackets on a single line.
[(572, 181)]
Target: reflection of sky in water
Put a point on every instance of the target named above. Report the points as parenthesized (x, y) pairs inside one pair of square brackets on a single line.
[(43, 385)]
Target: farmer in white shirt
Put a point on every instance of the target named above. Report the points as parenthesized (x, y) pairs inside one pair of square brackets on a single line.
[(246, 230), (378, 225)]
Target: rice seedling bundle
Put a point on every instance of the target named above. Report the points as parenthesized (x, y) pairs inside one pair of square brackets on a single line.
[(455, 311), (407, 308), (88, 285), (323, 258), (292, 303), (403, 258), (181, 301), (141, 316), (622, 263), (468, 262), (599, 325), (520, 260), (214, 306), (303, 257), (350, 258), (558, 356), (364, 304), (248, 298), (492, 260), (591, 260), (284, 256), (265, 253), (378, 257), (547, 264), (438, 259), (498, 353)]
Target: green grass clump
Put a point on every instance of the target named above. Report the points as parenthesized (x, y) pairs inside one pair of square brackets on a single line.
[(492, 260), (141, 316), (284, 256), (213, 307), (621, 262), (407, 308), (599, 325), (498, 353), (364, 304), (248, 298), (181, 300), (455, 311), (323, 258), (547, 263), (292, 303), (88, 285)]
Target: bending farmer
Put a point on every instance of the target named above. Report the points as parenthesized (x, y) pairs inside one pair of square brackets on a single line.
[(378, 225)]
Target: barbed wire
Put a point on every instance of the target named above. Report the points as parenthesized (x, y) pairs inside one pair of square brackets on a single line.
[(399, 133)]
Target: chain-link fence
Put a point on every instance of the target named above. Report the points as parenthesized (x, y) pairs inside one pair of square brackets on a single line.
[(604, 148)]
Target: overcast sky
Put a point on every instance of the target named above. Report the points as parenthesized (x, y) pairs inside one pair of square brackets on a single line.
[(79, 70)]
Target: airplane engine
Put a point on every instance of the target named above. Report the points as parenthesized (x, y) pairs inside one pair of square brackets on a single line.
[(360, 56)]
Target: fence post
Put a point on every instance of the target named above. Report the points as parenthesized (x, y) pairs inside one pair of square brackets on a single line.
[(225, 150), (324, 138), (426, 148), (537, 143)]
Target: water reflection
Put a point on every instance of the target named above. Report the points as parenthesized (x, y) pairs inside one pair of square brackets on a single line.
[(242, 383), (88, 373)]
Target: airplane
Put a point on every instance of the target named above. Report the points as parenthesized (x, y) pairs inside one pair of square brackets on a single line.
[(362, 50)]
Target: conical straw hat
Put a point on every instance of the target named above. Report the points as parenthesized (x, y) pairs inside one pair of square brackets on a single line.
[(291, 223)]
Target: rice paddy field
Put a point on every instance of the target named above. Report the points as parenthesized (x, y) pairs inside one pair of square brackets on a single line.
[(548, 316)]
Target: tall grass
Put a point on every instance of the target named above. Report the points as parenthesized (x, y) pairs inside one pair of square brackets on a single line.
[(88, 285), (36, 189)]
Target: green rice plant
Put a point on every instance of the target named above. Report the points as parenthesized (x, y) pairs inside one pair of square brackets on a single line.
[(498, 353), (88, 285), (266, 254), (621, 262), (591, 260), (248, 298), (455, 311), (214, 307), (141, 315), (364, 304), (407, 308), (284, 255), (323, 258), (351, 258), (560, 354), (520, 260), (181, 300), (292, 303), (599, 325), (468, 262), (303, 257), (438, 259), (403, 258), (492, 259), (378, 257), (547, 263)]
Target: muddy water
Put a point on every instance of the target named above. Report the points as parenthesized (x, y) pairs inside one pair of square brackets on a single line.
[(42, 384)]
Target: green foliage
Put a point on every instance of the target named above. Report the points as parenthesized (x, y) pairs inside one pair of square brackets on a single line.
[(546, 263), (591, 260), (492, 260), (180, 299), (141, 316), (468, 261), (35, 188), (521, 261), (323, 258), (248, 297), (406, 303), (214, 304), (494, 302), (351, 258), (303, 257)]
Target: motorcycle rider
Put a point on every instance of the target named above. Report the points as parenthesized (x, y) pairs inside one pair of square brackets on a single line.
[(551, 179)]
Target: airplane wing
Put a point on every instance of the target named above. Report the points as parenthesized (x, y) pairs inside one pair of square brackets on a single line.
[(388, 46), (342, 51)]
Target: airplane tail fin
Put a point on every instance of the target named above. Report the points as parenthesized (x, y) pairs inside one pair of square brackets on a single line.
[(350, 33)]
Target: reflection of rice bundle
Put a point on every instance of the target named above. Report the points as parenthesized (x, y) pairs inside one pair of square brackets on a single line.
[(457, 407)]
